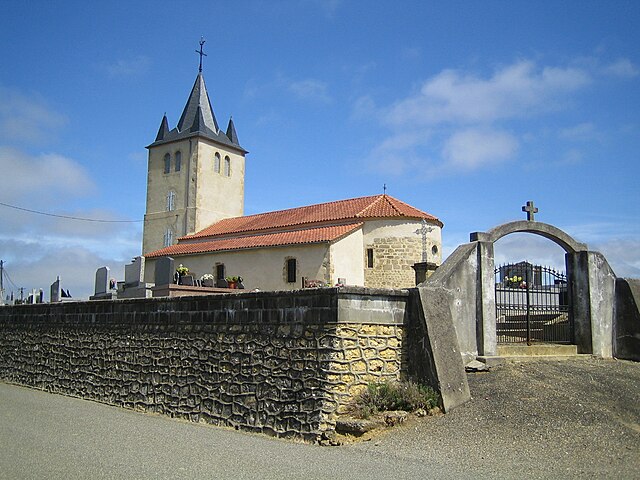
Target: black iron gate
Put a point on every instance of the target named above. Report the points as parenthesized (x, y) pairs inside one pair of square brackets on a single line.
[(532, 305)]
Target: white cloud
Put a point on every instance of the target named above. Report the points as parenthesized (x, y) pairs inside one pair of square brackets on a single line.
[(328, 7), (524, 246), (622, 68), (126, 68), (471, 149), (27, 118), (622, 255), (41, 178), (460, 114), (516, 90), (364, 108), (571, 157), (31, 266), (582, 131), (310, 89)]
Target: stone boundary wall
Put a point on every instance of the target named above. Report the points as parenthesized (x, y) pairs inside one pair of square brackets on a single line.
[(281, 363)]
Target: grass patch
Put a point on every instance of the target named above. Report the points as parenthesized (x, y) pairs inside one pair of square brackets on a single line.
[(393, 395)]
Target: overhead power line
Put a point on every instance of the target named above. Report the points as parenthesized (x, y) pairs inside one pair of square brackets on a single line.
[(6, 274), (68, 217)]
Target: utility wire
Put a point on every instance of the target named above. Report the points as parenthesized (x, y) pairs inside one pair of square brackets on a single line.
[(6, 275), (68, 216)]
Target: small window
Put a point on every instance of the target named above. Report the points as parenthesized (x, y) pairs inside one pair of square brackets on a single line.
[(171, 201), (369, 257), (292, 265), (167, 163), (227, 167), (220, 273), (178, 161), (168, 237), (216, 163)]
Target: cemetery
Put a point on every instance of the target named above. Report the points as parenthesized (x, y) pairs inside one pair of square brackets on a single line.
[(287, 363), (273, 322)]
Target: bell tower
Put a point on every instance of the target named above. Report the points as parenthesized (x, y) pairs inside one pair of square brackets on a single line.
[(195, 174)]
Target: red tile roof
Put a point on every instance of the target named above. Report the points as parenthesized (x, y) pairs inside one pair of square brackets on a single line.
[(377, 206), (294, 237)]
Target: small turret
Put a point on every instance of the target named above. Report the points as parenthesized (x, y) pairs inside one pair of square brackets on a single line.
[(231, 132), (164, 129)]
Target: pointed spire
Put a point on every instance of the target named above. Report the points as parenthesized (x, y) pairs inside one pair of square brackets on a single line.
[(198, 99), (164, 129), (198, 121), (231, 132)]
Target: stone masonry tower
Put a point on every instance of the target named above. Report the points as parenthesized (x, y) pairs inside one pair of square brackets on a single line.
[(195, 174)]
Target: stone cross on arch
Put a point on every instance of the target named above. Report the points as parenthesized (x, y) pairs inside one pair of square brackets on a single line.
[(423, 230), (531, 210)]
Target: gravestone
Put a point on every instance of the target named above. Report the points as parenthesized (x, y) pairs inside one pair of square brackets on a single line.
[(102, 288), (134, 285), (55, 291), (134, 272), (165, 271), (102, 281)]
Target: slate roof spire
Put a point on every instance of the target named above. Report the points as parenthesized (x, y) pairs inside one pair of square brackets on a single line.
[(231, 132), (198, 119), (164, 129), (198, 100)]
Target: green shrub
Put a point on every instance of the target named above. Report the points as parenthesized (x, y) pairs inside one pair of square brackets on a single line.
[(393, 395)]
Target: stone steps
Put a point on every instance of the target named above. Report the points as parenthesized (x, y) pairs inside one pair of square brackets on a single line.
[(523, 353)]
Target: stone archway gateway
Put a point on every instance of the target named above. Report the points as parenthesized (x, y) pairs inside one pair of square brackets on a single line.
[(591, 286), (466, 282)]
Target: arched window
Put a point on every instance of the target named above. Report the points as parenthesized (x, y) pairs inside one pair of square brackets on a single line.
[(227, 167), (216, 163), (167, 163), (171, 201), (178, 161), (168, 237)]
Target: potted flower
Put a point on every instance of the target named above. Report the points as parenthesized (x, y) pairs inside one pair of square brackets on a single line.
[(515, 281), (181, 271), (206, 280), (233, 281)]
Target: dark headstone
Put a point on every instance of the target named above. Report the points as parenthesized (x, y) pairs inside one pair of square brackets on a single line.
[(164, 271), (102, 280)]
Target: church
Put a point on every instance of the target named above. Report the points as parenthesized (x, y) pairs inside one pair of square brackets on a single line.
[(195, 214)]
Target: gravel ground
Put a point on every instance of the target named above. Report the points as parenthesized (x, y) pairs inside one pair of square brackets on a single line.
[(570, 419), (549, 419)]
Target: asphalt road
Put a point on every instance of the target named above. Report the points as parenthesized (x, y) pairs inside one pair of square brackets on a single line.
[(571, 419)]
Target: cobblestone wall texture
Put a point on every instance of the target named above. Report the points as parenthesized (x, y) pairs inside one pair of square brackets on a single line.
[(280, 363), (393, 259)]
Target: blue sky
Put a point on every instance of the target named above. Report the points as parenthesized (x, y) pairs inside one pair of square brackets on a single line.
[(463, 109)]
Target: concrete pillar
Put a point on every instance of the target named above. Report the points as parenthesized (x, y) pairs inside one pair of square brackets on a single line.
[(486, 300), (423, 271), (593, 295)]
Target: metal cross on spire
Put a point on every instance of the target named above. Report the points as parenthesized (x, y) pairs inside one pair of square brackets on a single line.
[(531, 211), (423, 230), (202, 40)]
